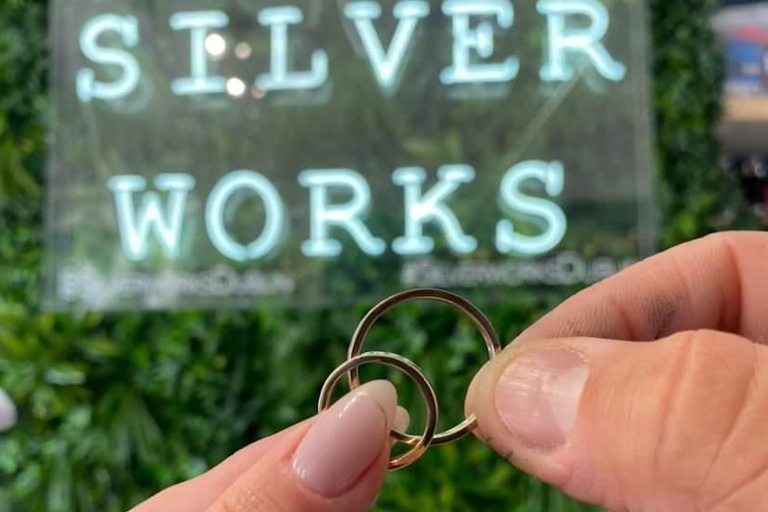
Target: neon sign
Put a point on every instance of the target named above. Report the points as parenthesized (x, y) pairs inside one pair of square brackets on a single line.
[(137, 224), (221, 154), (387, 65)]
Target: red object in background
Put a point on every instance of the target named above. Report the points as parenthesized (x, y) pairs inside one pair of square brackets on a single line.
[(757, 35)]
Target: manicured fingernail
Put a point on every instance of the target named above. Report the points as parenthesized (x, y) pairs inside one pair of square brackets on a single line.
[(346, 439), (538, 395)]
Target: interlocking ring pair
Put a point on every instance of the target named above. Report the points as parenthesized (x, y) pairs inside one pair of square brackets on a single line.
[(418, 444)]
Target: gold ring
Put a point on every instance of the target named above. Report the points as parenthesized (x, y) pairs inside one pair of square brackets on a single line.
[(478, 318), (419, 444)]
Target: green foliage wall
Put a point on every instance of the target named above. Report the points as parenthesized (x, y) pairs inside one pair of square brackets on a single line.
[(115, 407)]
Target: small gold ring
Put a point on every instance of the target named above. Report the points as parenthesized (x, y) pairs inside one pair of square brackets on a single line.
[(478, 318), (419, 444)]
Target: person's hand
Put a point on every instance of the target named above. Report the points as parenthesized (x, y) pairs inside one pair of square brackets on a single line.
[(679, 424), (334, 462)]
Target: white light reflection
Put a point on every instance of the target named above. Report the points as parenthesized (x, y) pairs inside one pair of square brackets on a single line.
[(236, 87), (243, 51), (215, 45)]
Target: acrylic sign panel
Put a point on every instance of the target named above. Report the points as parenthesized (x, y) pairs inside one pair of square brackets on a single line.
[(229, 153)]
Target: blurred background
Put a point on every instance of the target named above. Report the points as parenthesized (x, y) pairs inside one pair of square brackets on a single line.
[(114, 406)]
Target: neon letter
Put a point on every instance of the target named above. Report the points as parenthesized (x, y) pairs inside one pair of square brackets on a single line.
[(279, 78), (552, 176), (87, 86), (198, 23), (420, 209), (387, 66), (480, 39), (587, 41), (346, 216), (134, 229), (273, 212)]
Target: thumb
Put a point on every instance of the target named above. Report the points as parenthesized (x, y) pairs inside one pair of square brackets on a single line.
[(677, 424)]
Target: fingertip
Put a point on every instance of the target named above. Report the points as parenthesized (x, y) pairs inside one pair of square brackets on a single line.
[(402, 419), (470, 400), (526, 402), (345, 440)]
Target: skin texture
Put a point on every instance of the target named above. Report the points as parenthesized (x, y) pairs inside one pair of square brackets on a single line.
[(674, 411), (657, 399)]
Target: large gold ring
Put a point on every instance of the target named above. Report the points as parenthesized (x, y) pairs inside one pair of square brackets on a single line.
[(478, 318)]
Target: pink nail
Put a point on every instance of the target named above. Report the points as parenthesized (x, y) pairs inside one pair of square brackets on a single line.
[(346, 439)]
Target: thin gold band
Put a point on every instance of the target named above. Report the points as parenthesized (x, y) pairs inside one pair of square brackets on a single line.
[(419, 444)]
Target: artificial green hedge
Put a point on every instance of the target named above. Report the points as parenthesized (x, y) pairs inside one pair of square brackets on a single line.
[(116, 407)]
